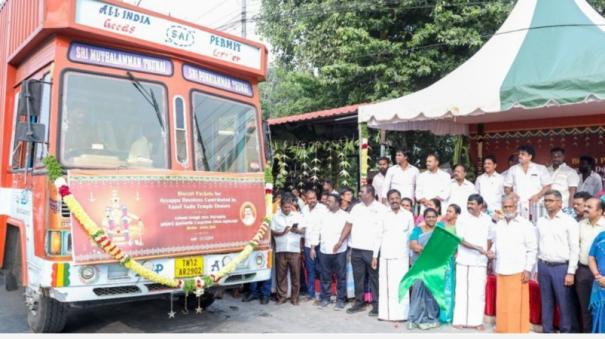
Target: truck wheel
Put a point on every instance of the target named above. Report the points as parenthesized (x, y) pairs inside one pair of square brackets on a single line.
[(45, 315), (12, 260)]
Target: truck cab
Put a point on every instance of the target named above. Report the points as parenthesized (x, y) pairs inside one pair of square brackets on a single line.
[(156, 123)]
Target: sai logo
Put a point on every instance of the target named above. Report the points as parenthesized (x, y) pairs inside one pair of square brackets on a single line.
[(180, 36), (157, 268)]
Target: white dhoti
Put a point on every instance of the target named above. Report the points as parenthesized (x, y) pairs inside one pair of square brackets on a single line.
[(469, 305), (390, 273)]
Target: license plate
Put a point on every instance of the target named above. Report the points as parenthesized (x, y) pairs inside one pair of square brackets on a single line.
[(188, 267)]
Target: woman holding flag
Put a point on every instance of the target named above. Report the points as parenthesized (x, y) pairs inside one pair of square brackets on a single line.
[(424, 310)]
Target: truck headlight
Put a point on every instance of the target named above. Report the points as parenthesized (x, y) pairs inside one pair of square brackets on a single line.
[(88, 273), (260, 260)]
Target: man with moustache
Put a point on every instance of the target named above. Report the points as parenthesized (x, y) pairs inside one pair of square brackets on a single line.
[(515, 247), (392, 245)]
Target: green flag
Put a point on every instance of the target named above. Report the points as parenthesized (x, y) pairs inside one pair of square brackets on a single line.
[(431, 265)]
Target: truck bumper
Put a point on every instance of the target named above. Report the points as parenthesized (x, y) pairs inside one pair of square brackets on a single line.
[(112, 281)]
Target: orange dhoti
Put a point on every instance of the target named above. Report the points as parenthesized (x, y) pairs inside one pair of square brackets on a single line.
[(512, 304)]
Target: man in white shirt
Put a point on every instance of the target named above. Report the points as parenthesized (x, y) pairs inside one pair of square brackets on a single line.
[(333, 258), (558, 254), (589, 229), (394, 259), (564, 178), (285, 230), (363, 225), (475, 229), (460, 188), (590, 181), (402, 177), (328, 186), (528, 179), (432, 183), (490, 184), (378, 179), (313, 216), (515, 248), (299, 196)]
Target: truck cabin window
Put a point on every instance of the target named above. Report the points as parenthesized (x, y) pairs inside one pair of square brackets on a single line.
[(109, 122), (225, 135)]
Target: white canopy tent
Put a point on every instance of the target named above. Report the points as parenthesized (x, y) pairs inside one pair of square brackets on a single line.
[(546, 61)]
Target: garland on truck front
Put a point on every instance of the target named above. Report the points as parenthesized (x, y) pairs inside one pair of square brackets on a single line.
[(195, 285)]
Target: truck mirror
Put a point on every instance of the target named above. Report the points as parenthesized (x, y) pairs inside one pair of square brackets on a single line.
[(30, 102), (31, 91), (30, 132), (268, 150)]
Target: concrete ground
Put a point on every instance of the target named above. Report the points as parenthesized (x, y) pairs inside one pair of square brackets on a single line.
[(226, 315)]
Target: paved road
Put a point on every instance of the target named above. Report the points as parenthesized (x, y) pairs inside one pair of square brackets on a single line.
[(224, 316)]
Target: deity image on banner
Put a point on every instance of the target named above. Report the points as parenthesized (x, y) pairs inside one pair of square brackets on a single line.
[(122, 226), (247, 213)]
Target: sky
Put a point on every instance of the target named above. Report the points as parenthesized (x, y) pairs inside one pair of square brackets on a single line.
[(224, 15)]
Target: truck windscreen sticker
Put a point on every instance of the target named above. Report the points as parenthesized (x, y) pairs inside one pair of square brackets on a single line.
[(217, 80), (101, 56)]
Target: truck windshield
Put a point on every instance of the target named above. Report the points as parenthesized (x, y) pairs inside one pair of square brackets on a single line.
[(107, 123), (225, 135)]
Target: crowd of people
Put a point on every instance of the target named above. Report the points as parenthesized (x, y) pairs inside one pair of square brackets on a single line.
[(530, 223)]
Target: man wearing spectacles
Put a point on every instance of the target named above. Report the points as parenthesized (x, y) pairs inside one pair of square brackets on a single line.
[(558, 254)]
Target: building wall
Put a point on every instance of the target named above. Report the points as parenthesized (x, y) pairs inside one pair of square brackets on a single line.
[(577, 135)]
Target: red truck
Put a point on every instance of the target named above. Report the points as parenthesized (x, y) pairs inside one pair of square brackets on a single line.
[(157, 124)]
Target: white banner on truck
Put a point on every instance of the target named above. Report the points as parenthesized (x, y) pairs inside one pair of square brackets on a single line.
[(123, 21)]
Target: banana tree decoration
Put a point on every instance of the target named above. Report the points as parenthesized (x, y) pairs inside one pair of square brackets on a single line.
[(301, 157), (282, 163), (345, 148), (315, 163), (461, 155)]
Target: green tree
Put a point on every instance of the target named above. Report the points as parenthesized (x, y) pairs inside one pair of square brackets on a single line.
[(331, 53)]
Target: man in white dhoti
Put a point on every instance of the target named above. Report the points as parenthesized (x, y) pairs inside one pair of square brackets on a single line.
[(476, 230), (392, 243)]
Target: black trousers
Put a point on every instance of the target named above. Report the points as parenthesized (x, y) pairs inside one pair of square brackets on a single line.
[(361, 261), (583, 285), (333, 264)]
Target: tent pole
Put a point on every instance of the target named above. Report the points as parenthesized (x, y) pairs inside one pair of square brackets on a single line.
[(363, 153)]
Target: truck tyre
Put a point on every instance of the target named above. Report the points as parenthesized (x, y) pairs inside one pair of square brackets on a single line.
[(12, 260), (47, 315)]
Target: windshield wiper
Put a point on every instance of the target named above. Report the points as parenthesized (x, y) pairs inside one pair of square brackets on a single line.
[(149, 97)]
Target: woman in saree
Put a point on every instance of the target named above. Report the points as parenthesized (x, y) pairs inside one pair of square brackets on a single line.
[(424, 310), (596, 263), (449, 224)]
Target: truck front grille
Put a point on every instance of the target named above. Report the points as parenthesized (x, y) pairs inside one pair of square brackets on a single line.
[(239, 277), (103, 291), (157, 287)]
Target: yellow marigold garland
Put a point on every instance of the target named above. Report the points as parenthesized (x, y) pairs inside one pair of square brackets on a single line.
[(198, 283)]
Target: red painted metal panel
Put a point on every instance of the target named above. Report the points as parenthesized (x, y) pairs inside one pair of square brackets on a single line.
[(24, 19), (329, 113)]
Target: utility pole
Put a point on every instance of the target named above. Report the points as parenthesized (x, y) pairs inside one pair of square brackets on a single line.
[(243, 18)]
